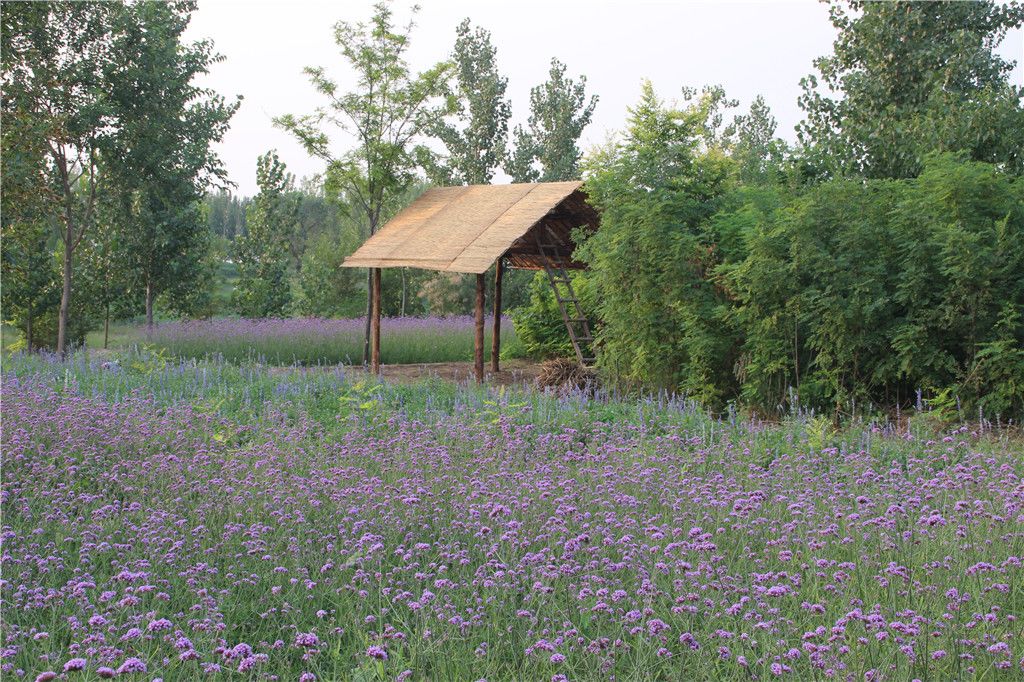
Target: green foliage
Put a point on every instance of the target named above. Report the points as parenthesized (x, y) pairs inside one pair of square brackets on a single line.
[(547, 150), (57, 64), (264, 287), (107, 141), (477, 147), (387, 112), (826, 313), (912, 78), (751, 142), (664, 323), (164, 160), (325, 288), (31, 278), (539, 323), (389, 109), (225, 214)]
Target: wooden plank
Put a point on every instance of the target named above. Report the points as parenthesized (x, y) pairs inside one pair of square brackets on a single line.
[(478, 338), (499, 269)]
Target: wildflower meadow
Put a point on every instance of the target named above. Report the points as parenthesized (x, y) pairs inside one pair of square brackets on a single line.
[(183, 519), (311, 341)]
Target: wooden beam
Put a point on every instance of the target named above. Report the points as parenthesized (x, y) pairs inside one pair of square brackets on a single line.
[(499, 269), (375, 325), (478, 339)]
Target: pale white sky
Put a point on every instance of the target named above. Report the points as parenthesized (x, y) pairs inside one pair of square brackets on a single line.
[(748, 47)]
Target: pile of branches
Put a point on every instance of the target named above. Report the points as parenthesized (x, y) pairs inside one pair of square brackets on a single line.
[(566, 375)]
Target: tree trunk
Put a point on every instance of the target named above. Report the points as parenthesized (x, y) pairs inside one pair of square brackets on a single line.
[(106, 325), (28, 329), (496, 306), (149, 307), (375, 336), (478, 337), (369, 314), (65, 296), (404, 290)]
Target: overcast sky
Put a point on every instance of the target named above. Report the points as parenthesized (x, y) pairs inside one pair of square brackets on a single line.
[(748, 47)]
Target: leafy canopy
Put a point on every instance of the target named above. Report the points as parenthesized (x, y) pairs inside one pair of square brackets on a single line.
[(909, 78)]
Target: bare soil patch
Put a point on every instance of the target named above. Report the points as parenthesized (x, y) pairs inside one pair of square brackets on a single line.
[(513, 372)]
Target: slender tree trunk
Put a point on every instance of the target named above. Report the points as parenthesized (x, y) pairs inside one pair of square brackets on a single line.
[(478, 336), (106, 325), (369, 314), (375, 336), (149, 307), (28, 329), (65, 296), (404, 290), (496, 306)]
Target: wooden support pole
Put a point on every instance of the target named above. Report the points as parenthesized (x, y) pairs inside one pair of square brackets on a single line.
[(496, 307), (375, 325), (478, 340)]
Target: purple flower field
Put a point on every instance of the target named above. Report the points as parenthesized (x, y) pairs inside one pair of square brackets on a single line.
[(145, 537), (311, 341)]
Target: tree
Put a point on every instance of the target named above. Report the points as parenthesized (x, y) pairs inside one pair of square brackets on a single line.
[(911, 78), (263, 288), (31, 283), (163, 160), (752, 142), (559, 112), (476, 148), (106, 273), (663, 321), (389, 110), (54, 60)]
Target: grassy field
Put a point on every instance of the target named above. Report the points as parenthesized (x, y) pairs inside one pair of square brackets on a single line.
[(305, 341), (316, 341), (189, 518)]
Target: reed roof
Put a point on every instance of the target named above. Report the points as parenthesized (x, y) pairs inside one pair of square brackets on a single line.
[(467, 228)]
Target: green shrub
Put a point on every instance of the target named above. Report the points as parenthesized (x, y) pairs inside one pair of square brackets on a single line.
[(539, 324)]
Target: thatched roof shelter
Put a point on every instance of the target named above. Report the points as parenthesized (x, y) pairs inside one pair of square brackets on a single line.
[(468, 229)]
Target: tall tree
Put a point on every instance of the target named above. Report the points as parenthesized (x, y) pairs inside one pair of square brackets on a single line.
[(662, 319), (911, 78), (476, 146), (559, 112), (163, 161), (54, 59), (752, 142), (105, 266), (390, 109), (263, 288)]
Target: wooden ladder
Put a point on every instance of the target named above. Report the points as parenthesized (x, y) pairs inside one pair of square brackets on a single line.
[(568, 303)]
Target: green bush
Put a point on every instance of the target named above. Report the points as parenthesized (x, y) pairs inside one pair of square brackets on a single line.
[(869, 291), (539, 324)]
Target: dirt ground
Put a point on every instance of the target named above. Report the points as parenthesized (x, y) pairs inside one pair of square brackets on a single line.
[(513, 372)]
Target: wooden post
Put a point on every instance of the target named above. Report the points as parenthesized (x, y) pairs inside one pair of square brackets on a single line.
[(375, 325), (478, 340), (496, 306)]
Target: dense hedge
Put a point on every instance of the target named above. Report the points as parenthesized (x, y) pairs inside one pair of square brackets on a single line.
[(871, 291), (829, 296)]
